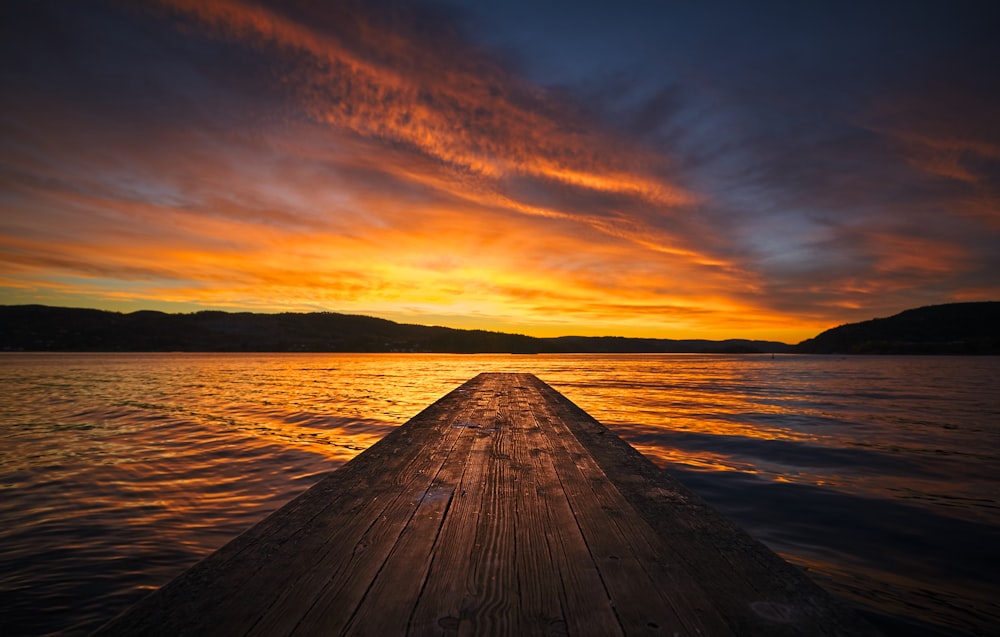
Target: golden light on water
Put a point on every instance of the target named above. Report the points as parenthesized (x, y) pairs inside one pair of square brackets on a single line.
[(501, 166), (137, 465)]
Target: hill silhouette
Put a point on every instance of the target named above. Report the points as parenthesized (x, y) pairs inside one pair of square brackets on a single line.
[(43, 328), (954, 328)]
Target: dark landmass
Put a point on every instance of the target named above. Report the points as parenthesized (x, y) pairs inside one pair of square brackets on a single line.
[(42, 328), (954, 328)]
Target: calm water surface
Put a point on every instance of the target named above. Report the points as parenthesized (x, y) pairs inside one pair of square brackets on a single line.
[(881, 476)]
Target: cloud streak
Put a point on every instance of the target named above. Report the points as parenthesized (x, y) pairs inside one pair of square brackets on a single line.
[(460, 110), (374, 158)]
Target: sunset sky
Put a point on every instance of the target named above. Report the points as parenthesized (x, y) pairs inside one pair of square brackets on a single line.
[(664, 169)]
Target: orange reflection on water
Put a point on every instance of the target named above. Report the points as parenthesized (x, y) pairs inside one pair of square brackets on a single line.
[(703, 460), (137, 465)]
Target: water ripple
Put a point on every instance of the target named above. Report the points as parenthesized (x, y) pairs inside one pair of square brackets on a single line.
[(879, 475)]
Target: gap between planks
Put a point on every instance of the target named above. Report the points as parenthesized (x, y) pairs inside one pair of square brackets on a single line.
[(501, 509)]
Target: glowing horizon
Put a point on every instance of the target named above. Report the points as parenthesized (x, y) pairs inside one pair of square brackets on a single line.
[(379, 160)]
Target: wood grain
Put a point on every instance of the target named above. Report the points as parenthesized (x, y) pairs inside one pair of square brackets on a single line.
[(501, 509)]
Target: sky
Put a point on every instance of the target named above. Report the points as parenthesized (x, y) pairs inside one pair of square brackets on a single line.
[(661, 169)]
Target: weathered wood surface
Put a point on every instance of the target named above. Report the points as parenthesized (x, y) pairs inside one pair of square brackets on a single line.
[(501, 509)]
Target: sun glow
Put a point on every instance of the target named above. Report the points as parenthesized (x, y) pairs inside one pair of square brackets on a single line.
[(262, 156)]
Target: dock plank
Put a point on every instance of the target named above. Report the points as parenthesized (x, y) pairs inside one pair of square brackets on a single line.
[(586, 603), (501, 509), (625, 548), (439, 604)]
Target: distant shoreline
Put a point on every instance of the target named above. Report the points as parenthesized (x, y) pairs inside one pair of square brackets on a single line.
[(950, 329), (43, 328)]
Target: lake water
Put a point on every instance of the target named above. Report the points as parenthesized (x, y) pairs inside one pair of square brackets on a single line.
[(880, 475)]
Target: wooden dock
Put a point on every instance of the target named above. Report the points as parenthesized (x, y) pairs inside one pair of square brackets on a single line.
[(501, 509)]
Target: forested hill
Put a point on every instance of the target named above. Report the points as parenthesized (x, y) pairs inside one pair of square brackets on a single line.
[(955, 328), (42, 328)]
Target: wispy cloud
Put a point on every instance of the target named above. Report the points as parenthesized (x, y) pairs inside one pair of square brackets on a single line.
[(372, 157), (450, 103)]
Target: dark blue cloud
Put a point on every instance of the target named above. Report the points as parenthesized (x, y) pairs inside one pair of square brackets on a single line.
[(825, 155), (818, 131)]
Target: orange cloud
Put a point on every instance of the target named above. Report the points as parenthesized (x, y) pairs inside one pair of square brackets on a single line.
[(449, 257), (456, 109), (948, 156), (384, 170), (396, 200), (923, 256)]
